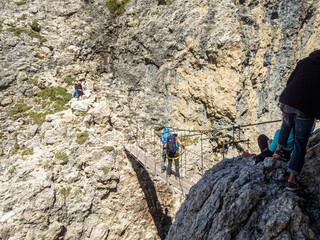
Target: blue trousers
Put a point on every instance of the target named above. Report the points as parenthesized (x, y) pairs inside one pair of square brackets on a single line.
[(302, 124), (77, 92)]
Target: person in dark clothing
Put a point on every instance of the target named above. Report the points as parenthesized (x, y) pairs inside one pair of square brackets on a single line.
[(78, 90), (176, 155), (268, 146), (300, 106)]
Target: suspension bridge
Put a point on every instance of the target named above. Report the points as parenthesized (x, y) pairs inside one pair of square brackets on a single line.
[(147, 150)]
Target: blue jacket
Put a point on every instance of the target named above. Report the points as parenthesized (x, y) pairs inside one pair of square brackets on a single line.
[(165, 134)]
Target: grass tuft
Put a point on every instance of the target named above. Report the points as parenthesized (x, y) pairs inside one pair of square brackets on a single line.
[(69, 80), (108, 148), (27, 152), (18, 111), (63, 157), (82, 137), (105, 170), (116, 8)]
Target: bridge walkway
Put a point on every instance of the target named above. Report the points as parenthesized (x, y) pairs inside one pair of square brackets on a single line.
[(182, 184)]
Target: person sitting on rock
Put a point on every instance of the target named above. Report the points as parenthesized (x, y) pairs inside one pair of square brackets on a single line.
[(78, 90), (300, 106), (172, 148), (268, 146)]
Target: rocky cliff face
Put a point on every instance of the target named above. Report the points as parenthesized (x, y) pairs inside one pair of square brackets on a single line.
[(191, 64), (239, 200)]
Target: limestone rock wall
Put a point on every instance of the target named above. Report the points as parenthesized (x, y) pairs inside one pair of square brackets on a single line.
[(213, 62), (191, 64)]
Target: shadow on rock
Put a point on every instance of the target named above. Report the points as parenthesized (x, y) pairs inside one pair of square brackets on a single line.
[(160, 217)]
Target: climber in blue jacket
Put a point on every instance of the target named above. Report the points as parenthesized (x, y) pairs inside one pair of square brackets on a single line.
[(163, 138)]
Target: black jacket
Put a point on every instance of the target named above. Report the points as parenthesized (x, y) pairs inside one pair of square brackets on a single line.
[(76, 86), (303, 87)]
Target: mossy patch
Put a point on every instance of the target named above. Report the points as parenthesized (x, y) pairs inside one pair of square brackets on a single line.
[(15, 149), (69, 80), (20, 3), (18, 111), (12, 169), (62, 156), (27, 152), (188, 141), (108, 148), (53, 98), (93, 37), (117, 8), (57, 94), (22, 18), (35, 26), (17, 32), (157, 133), (65, 191), (33, 81), (82, 137), (105, 170)]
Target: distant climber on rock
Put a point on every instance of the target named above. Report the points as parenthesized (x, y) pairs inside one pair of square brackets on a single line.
[(163, 138), (78, 90), (300, 105), (172, 148)]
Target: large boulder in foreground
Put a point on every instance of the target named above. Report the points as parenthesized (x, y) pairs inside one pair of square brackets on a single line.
[(237, 199)]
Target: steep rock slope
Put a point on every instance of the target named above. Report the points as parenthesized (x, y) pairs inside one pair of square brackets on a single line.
[(212, 62), (187, 63), (239, 200), (64, 174)]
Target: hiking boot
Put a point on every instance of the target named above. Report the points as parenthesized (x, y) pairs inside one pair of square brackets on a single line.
[(280, 155), (293, 186), (265, 153), (163, 170)]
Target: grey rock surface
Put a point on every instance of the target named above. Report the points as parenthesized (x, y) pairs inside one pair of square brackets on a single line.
[(237, 199), (193, 64)]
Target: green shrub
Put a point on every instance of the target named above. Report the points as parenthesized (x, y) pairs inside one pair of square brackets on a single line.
[(56, 94), (38, 118), (62, 156), (27, 152), (1, 135), (108, 148), (65, 191), (69, 80), (115, 8), (13, 169), (18, 110), (87, 125), (82, 137), (105, 170)]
